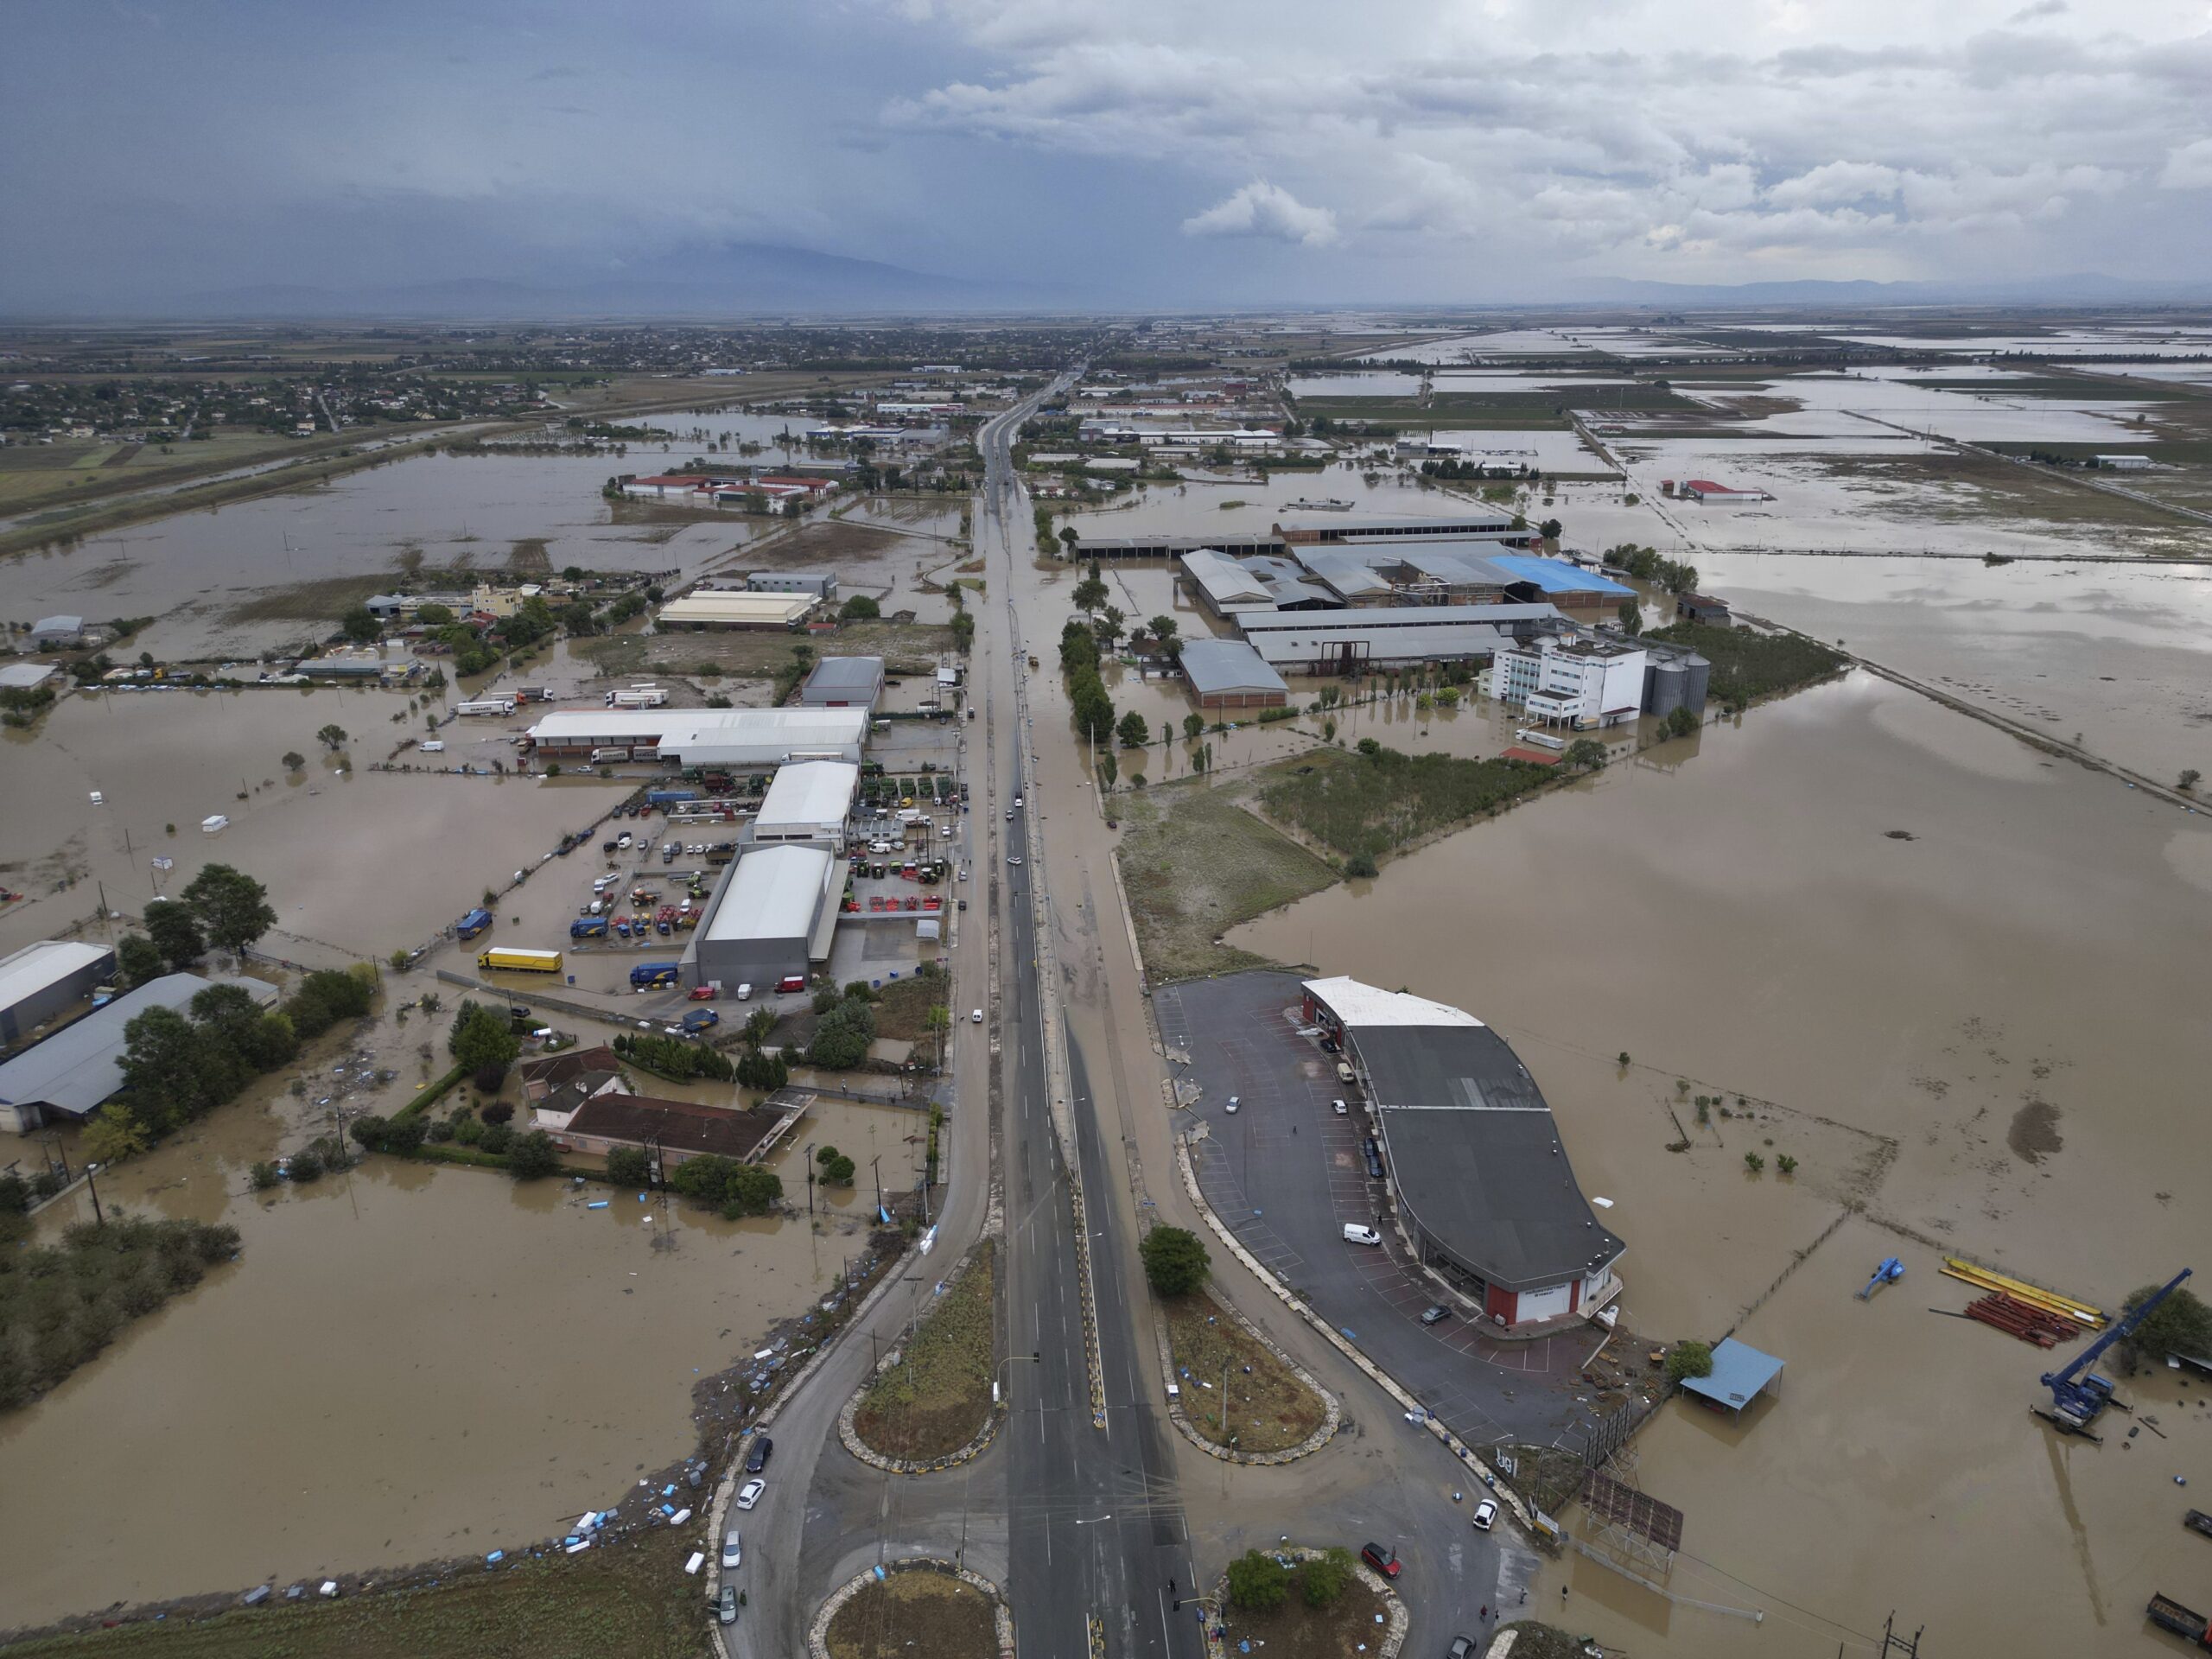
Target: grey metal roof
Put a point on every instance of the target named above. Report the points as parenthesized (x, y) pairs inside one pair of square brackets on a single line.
[(1476, 523), (1214, 666), (846, 674), (1476, 1154), (81, 1064), (1395, 616)]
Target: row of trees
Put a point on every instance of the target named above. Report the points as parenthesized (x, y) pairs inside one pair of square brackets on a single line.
[(1093, 709), (179, 1066), (846, 1027), (1649, 565), (220, 906)]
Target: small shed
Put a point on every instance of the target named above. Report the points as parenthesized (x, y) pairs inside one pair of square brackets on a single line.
[(1740, 1373), (1703, 607)]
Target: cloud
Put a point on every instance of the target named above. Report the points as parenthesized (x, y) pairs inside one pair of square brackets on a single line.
[(2189, 167), (2041, 8), (1268, 211)]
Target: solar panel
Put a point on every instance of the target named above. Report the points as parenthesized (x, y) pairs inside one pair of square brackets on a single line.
[(1624, 1506)]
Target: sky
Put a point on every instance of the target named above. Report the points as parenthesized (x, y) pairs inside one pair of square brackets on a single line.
[(1135, 152)]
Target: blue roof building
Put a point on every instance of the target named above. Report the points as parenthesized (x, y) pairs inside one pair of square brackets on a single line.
[(1739, 1373), (1550, 576)]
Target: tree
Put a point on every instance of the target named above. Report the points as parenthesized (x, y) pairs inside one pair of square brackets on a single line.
[(1175, 1260), (1164, 629), (2180, 1324), (161, 1062), (1630, 618), (1257, 1582), (293, 760), (481, 1040), (1680, 722), (1090, 593), (2189, 777), (138, 959), (1192, 726), (433, 615), (859, 608), (837, 1170), (1369, 746), (1068, 536), (1134, 731), (231, 906), (326, 996), (1549, 530), (359, 625), (841, 1039), (174, 931), (532, 1156), (628, 1166), (1688, 1358), (1109, 770), (1325, 1578), (228, 1014), (332, 737), (1585, 754), (112, 1133)]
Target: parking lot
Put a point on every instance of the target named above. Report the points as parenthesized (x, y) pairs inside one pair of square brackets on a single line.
[(1286, 1173)]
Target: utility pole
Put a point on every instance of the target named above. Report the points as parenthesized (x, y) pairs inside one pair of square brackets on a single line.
[(810, 1178), (1892, 1642)]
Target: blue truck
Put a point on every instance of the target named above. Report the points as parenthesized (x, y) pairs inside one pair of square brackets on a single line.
[(647, 975), (588, 927), (472, 923), (669, 797), (699, 1020)]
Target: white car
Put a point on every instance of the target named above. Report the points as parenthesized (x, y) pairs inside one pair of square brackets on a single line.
[(1233, 1102), (1017, 802), (1340, 1109), (749, 1494), (1485, 1515), (1013, 858), (977, 1016), (732, 1551)]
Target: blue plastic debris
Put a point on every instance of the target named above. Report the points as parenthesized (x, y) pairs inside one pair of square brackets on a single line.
[(596, 1204), (495, 1557), (880, 1574)]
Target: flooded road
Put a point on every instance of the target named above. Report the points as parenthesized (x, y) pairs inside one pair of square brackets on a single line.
[(1906, 949)]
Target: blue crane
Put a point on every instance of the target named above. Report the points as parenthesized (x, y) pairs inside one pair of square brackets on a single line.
[(2079, 1396)]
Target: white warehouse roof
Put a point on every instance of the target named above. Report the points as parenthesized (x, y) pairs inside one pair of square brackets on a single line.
[(808, 793), (795, 729), (1216, 667), (1359, 1004), (773, 895), (745, 609), (32, 968)]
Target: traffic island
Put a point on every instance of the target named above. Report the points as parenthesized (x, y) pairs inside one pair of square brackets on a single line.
[(918, 1609), (1235, 1394), (929, 1403), (1308, 1604), (1530, 1640)]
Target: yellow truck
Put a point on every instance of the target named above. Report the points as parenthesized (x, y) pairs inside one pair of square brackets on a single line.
[(520, 962)]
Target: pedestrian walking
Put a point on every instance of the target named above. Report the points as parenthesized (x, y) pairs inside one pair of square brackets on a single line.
[(1171, 1586), (1485, 1612)]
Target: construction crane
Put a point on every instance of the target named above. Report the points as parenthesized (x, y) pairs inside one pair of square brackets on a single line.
[(2079, 1396)]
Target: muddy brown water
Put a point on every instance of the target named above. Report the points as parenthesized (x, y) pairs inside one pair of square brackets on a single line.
[(1884, 1010), (269, 1424)]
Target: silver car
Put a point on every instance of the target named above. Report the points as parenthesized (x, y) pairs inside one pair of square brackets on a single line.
[(732, 1550)]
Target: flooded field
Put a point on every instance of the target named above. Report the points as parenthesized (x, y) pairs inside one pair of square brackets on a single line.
[(1948, 975), (267, 1425)]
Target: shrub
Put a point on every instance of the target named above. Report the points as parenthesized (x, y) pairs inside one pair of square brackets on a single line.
[(1256, 1582), (2180, 1324), (498, 1137), (628, 1166), (1753, 1162), (498, 1111), (306, 1165), (533, 1155), (263, 1175), (1688, 1358), (1175, 1260), (1325, 1578)]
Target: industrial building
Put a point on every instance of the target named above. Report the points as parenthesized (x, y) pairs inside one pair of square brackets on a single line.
[(1358, 641), (1359, 529), (50, 978), (1479, 1178), (771, 916), (720, 608), (1700, 607), (823, 584), (1704, 490), (2125, 463), (25, 677), (74, 1072), (808, 802), (55, 634), (1223, 585), (748, 739), (845, 683), (1229, 674), (1580, 681)]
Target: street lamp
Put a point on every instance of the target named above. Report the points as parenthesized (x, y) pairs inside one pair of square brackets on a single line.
[(92, 1186), (1035, 1357)]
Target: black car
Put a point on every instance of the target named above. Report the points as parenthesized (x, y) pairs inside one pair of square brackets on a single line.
[(763, 1448)]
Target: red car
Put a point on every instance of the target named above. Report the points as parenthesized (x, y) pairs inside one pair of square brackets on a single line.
[(701, 994), (1374, 1555)]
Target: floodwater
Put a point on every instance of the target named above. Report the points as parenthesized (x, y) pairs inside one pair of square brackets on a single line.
[(267, 1426), (1895, 936), (357, 860)]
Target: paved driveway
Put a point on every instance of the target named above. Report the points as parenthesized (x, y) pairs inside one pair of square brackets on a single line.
[(1286, 1173)]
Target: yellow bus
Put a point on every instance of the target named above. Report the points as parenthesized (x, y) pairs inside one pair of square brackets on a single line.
[(521, 962)]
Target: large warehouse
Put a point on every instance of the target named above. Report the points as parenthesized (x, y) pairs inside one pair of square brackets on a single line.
[(808, 801), (845, 683), (46, 979), (1229, 674), (718, 608), (1481, 1183), (773, 914), (1358, 641), (749, 738), (71, 1072)]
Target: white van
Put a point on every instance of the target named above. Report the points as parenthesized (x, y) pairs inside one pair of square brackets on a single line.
[(1356, 1234), (1344, 1073), (435, 746), (745, 991)]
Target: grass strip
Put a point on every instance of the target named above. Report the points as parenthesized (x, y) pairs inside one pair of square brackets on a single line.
[(938, 1396)]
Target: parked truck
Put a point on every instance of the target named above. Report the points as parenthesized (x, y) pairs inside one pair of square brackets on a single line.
[(487, 706), (588, 927), (520, 962), (647, 975), (472, 923), (638, 696), (2186, 1622), (668, 797)]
